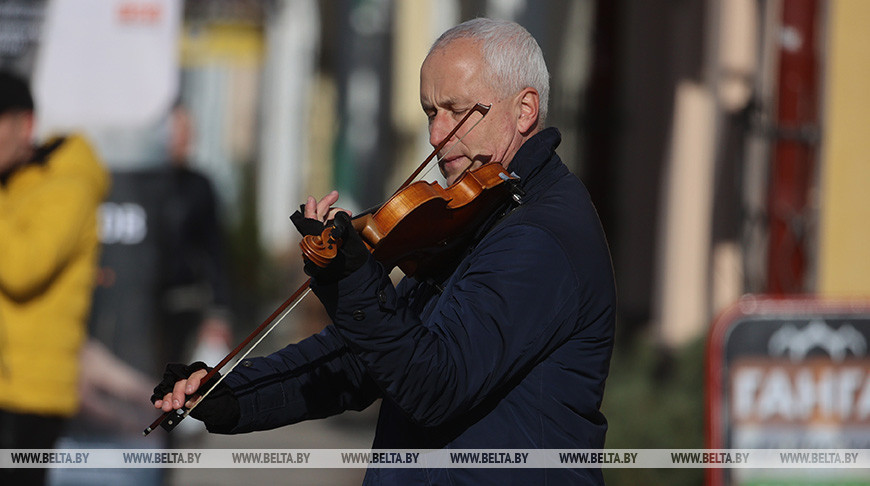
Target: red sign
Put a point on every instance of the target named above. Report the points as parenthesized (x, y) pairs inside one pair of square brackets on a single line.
[(140, 12)]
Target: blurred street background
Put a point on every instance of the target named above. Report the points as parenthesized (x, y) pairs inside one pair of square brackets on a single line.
[(723, 142)]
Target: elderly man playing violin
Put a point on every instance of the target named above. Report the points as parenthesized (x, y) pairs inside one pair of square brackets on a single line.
[(507, 347)]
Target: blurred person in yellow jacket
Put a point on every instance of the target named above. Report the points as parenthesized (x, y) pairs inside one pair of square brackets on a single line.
[(49, 198)]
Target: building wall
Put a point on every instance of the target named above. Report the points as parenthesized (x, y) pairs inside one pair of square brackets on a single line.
[(844, 206)]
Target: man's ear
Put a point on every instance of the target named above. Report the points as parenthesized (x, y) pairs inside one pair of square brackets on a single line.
[(528, 103)]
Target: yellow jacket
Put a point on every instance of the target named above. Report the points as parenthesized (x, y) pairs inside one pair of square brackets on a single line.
[(48, 261)]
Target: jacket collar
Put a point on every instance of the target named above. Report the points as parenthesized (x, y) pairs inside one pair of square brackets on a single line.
[(39, 157), (535, 154)]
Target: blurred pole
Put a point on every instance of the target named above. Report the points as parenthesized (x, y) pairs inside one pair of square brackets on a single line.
[(684, 226), (735, 36), (291, 37), (758, 148), (684, 240), (794, 152)]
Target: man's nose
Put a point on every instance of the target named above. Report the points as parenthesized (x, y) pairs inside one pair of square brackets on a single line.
[(439, 128)]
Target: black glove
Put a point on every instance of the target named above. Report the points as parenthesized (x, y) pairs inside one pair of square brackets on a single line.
[(352, 254), (219, 411), (306, 226)]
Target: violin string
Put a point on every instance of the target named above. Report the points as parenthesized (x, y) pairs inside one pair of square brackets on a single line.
[(438, 160), (248, 351)]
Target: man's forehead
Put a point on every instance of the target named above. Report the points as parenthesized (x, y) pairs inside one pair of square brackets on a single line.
[(463, 48), (451, 64)]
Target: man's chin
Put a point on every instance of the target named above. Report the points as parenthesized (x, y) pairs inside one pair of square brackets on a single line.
[(450, 176), (454, 169)]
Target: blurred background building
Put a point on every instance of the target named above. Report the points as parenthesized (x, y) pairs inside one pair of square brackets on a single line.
[(722, 142)]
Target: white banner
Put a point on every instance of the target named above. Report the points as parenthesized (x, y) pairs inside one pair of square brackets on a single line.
[(441, 458), (107, 63)]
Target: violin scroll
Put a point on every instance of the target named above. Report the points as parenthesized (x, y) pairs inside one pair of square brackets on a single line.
[(320, 249)]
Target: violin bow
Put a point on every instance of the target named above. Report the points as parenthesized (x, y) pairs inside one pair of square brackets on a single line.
[(283, 310)]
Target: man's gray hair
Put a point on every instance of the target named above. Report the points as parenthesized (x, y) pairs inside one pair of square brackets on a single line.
[(512, 55)]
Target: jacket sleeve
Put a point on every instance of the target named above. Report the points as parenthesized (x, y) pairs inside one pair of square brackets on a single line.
[(40, 234), (314, 378), (514, 304)]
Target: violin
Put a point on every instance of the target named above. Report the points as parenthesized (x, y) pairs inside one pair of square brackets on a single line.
[(422, 226), (419, 228)]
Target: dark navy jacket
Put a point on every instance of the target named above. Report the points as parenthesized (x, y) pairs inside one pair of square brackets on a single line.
[(512, 354)]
